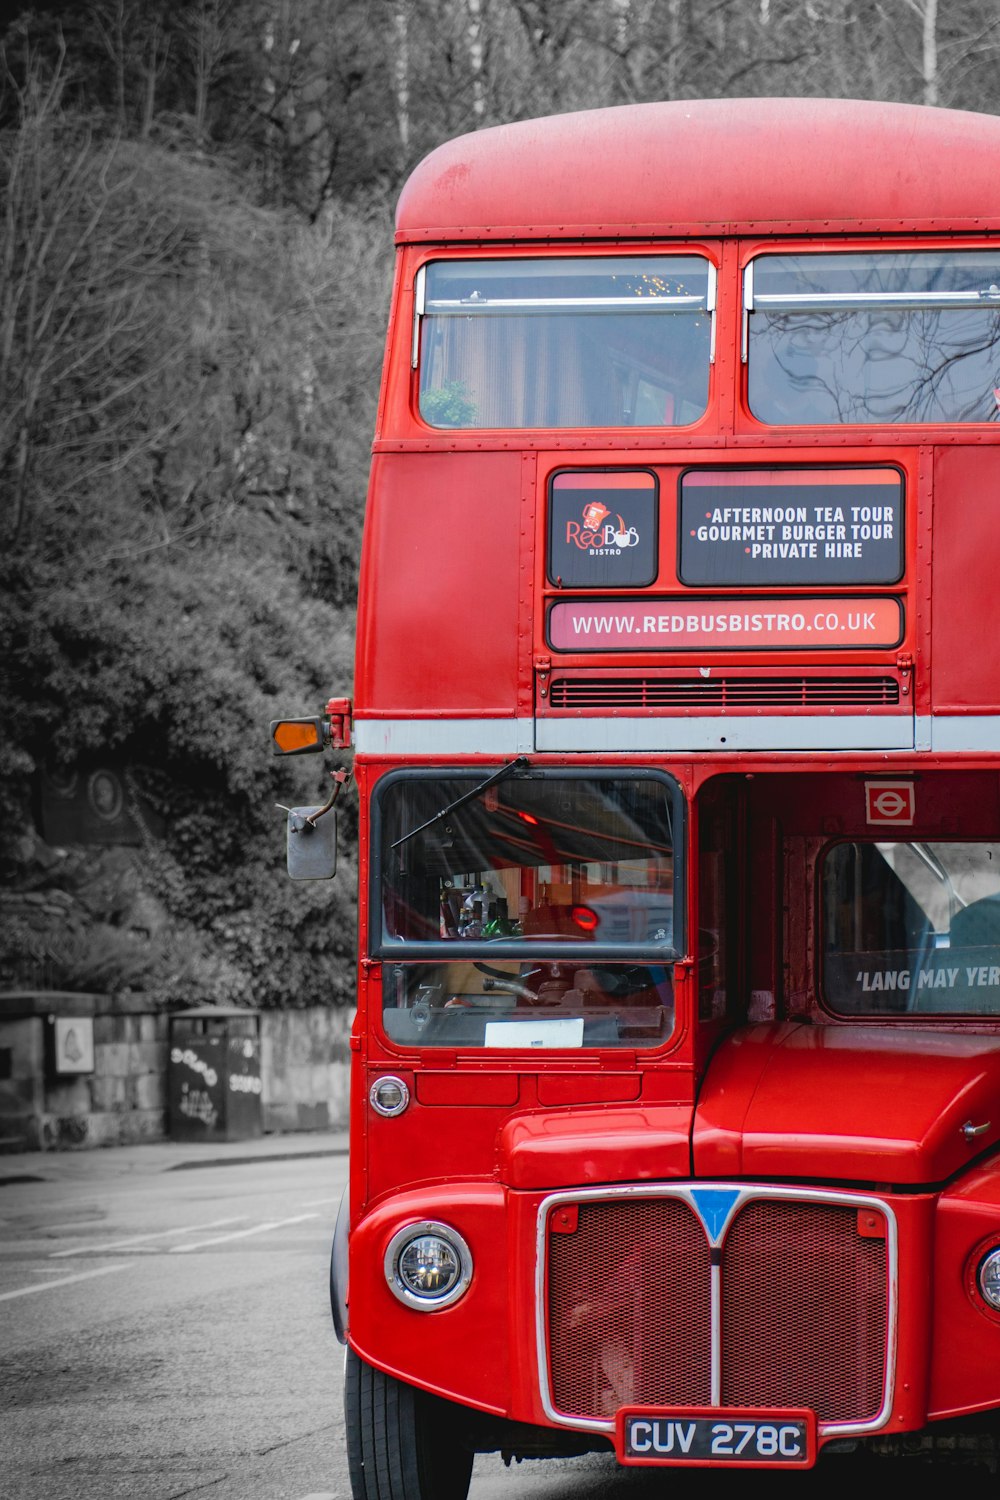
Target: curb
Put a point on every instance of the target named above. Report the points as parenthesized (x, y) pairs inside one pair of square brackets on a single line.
[(253, 1161), (157, 1157)]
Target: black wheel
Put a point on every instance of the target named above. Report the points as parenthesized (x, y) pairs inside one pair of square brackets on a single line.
[(401, 1443)]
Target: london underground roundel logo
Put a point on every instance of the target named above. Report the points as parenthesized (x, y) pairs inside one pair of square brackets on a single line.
[(889, 802)]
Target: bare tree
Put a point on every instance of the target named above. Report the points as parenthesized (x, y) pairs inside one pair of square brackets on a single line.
[(211, 29), (927, 12), (80, 337), (401, 71), (152, 67)]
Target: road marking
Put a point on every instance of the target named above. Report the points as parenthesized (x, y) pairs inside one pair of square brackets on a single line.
[(47, 1286), (138, 1239), (241, 1234), (74, 1224)]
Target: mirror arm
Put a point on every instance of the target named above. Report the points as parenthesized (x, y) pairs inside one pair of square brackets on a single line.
[(340, 779), (305, 825)]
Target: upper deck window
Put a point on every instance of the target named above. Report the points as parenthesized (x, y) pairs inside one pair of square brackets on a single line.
[(622, 341), (906, 337)]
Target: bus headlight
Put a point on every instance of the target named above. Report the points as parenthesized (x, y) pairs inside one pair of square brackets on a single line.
[(428, 1265), (988, 1278)]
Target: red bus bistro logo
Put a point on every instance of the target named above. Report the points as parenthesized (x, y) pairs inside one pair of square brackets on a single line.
[(595, 534), (889, 802), (602, 528)]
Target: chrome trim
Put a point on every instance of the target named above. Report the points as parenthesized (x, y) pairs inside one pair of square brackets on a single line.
[(404, 1096), (419, 308), (980, 1285), (710, 305), (808, 301), (464, 308), (747, 310), (715, 1333), (715, 1234)]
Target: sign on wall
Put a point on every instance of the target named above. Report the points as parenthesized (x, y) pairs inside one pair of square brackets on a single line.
[(94, 805), (73, 1044)]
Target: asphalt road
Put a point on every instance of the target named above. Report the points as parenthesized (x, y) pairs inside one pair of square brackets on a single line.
[(166, 1333)]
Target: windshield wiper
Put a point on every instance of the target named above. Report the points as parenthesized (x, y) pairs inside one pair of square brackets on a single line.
[(520, 764)]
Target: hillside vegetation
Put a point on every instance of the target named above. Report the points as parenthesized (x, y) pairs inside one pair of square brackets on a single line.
[(195, 235)]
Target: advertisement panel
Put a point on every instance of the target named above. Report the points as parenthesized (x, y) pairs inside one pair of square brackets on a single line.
[(649, 624), (776, 527)]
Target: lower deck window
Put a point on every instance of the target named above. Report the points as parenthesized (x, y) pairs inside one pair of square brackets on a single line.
[(912, 928), (530, 1005)]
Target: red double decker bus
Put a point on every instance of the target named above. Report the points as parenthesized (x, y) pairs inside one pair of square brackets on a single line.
[(676, 1090)]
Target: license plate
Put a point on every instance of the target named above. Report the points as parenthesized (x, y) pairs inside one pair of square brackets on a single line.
[(751, 1439)]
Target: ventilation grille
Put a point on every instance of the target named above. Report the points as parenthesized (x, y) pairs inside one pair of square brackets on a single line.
[(630, 1320), (717, 693)]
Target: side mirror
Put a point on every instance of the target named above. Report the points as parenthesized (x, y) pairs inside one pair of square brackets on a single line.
[(311, 847)]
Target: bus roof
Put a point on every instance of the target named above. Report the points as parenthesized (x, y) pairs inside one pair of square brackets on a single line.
[(721, 166)]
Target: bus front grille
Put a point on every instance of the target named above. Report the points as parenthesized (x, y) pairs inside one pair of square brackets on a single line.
[(803, 1309)]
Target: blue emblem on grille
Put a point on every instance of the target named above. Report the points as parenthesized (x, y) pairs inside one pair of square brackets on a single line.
[(713, 1207)]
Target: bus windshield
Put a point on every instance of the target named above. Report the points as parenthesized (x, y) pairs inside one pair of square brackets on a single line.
[(582, 342), (912, 928), (537, 914), (859, 338)]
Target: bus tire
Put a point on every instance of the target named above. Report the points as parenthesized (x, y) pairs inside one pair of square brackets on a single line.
[(401, 1443)]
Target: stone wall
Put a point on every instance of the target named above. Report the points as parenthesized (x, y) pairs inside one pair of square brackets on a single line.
[(121, 1101), (305, 1066), (304, 1072), (22, 1082)]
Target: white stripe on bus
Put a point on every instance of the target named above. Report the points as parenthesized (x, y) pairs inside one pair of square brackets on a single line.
[(943, 734)]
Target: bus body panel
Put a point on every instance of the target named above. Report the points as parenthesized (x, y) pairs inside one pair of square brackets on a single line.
[(443, 1354), (446, 529), (613, 1145), (966, 601), (964, 1335), (845, 1102), (938, 1237), (688, 167)]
